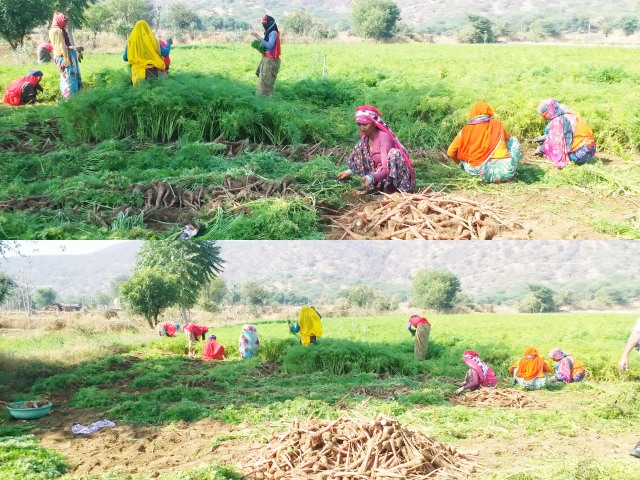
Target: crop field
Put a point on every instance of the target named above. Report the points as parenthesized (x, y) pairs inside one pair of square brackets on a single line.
[(179, 418), (122, 162)]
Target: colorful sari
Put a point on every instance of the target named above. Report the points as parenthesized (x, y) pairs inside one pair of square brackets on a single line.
[(479, 141), (401, 175), (310, 325), (65, 57), (213, 350), (567, 369), (530, 371), (248, 343), (143, 53), (563, 123), (486, 376)]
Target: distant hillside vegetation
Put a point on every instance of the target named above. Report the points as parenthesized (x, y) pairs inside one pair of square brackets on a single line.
[(428, 16)]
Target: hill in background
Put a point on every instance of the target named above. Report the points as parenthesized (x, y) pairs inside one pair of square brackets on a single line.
[(323, 268), (431, 16)]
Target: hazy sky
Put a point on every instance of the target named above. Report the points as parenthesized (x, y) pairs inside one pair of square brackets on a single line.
[(62, 247)]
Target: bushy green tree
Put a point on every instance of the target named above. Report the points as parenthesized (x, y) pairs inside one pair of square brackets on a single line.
[(213, 294), (97, 18), (19, 17), (629, 24), (479, 29), (181, 18), (544, 29), (149, 291), (194, 262), (361, 296), (301, 22), (374, 18), (7, 285), (434, 289), (44, 296), (125, 14), (610, 295), (539, 299), (255, 295)]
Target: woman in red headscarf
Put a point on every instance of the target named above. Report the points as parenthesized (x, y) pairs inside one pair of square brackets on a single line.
[(270, 65), (212, 349), (484, 148), (479, 373), (379, 158), (24, 90), (64, 55)]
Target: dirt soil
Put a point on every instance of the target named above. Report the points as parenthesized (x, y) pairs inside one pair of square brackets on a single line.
[(156, 450)]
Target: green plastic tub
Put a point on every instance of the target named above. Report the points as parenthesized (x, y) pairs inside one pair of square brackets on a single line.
[(28, 413)]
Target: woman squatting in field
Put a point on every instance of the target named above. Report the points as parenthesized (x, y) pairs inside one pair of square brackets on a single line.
[(566, 138), (479, 373), (530, 371), (484, 148), (379, 158), (270, 64), (568, 369), (24, 90)]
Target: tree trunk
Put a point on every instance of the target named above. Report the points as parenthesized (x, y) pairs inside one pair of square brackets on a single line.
[(185, 318)]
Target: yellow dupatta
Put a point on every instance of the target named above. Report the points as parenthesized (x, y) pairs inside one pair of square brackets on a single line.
[(310, 324), (143, 51)]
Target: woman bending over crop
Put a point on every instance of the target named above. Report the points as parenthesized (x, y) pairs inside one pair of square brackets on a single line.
[(479, 373), (484, 148), (270, 65), (24, 90), (379, 158), (145, 54), (566, 138), (568, 369), (531, 370)]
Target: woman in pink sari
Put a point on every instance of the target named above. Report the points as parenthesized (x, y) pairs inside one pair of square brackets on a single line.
[(566, 138), (479, 373), (379, 158)]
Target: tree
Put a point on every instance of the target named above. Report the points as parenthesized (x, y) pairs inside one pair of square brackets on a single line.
[(74, 9), (374, 18), (194, 262), (303, 23), (44, 296), (102, 299), (19, 17), (610, 295), (126, 13), (7, 284), (97, 19), (539, 299), (255, 295), (182, 18), (606, 29), (629, 24), (361, 296), (478, 30), (213, 294), (149, 291), (543, 29), (434, 289)]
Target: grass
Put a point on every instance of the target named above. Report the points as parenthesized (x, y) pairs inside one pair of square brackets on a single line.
[(88, 152)]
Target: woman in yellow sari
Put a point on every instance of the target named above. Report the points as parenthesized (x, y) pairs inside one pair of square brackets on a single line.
[(145, 54), (309, 326)]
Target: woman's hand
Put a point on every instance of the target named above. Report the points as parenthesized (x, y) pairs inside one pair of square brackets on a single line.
[(256, 35), (343, 175), (365, 182)]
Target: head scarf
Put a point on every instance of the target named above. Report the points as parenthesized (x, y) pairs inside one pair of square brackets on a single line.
[(562, 125), (310, 325), (143, 51), (481, 135), (367, 114), (531, 365), (248, 343), (34, 73), (60, 21), (485, 373), (564, 365), (269, 24)]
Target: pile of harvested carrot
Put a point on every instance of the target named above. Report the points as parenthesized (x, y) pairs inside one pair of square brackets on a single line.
[(496, 397), (424, 215), (356, 448)]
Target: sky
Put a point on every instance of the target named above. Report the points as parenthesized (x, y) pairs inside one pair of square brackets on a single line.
[(61, 247)]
